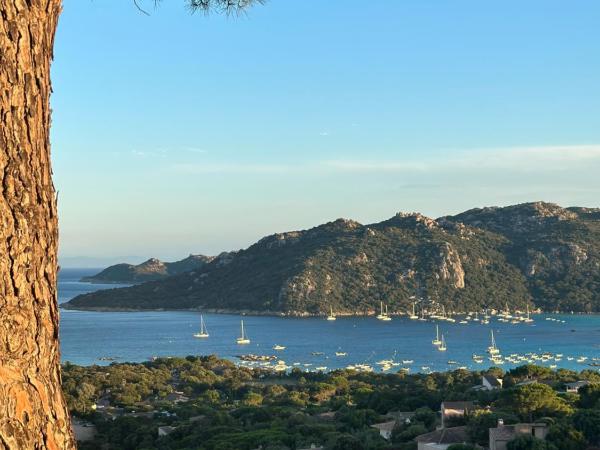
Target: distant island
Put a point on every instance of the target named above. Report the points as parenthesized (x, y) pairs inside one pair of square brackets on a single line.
[(536, 255), (150, 270)]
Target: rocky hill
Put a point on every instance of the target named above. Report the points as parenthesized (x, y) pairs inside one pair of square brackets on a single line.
[(556, 249), (536, 253), (152, 269)]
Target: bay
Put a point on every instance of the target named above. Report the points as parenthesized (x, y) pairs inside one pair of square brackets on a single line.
[(100, 337)]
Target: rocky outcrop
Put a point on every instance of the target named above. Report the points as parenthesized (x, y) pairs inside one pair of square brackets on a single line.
[(450, 267), (517, 219), (555, 259)]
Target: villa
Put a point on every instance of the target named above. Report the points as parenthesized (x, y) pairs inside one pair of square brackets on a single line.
[(575, 386)]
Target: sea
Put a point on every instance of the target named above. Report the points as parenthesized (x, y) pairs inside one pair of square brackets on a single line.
[(103, 337)]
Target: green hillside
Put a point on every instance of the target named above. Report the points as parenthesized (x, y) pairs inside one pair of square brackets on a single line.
[(152, 269), (535, 253)]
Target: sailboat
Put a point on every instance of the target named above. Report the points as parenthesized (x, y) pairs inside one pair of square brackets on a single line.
[(437, 341), (381, 315), (243, 339), (203, 332), (331, 316), (447, 317), (527, 318), (442, 347), (386, 317), (492, 349), (486, 317), (413, 316)]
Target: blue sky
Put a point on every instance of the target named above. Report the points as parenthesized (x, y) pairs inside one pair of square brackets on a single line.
[(176, 133)]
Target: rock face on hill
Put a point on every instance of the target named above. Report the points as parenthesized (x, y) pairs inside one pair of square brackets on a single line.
[(536, 253), (556, 249), (152, 269)]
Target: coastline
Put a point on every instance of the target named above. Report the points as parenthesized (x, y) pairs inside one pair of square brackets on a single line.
[(98, 281), (250, 312), (237, 312)]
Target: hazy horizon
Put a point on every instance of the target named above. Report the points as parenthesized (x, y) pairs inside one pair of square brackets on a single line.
[(303, 112)]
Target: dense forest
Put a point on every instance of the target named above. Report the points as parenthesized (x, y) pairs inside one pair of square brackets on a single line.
[(207, 403), (536, 254)]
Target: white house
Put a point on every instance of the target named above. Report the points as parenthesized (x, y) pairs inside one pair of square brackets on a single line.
[(385, 429), (490, 383), (576, 385)]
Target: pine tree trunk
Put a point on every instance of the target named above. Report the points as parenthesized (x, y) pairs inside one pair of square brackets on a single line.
[(33, 414)]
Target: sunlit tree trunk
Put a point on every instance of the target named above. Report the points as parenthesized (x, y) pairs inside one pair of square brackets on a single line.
[(33, 414)]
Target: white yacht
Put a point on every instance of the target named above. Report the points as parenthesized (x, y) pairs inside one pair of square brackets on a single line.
[(492, 349), (528, 319), (386, 317), (442, 347), (413, 316), (383, 314), (437, 340), (203, 332), (243, 339), (331, 316)]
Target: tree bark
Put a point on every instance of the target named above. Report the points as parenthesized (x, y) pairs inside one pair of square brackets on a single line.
[(33, 414)]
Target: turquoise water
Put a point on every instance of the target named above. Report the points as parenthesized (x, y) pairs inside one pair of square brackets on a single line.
[(137, 336)]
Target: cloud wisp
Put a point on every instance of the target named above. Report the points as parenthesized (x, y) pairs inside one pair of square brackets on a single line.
[(512, 159), (231, 168), (520, 159)]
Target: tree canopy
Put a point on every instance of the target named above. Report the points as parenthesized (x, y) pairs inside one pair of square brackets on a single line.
[(207, 6), (535, 400)]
